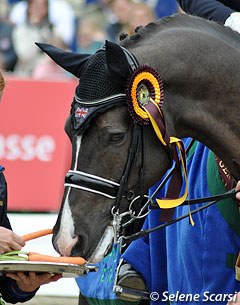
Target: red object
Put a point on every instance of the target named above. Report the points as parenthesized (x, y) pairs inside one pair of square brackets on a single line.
[(34, 148)]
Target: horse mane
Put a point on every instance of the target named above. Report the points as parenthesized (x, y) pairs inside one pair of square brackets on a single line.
[(184, 21)]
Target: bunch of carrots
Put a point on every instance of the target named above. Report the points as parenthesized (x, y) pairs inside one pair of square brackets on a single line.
[(37, 257)]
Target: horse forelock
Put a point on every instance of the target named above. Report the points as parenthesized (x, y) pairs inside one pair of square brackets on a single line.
[(95, 81)]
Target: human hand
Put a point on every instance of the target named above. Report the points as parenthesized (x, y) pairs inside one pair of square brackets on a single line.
[(236, 297), (235, 300), (32, 281), (238, 189), (2, 84), (10, 241), (233, 21)]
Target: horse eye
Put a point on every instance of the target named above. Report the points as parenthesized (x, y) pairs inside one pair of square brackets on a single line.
[(116, 138)]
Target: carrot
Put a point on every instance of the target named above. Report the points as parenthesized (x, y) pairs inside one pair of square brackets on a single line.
[(37, 257), (36, 234)]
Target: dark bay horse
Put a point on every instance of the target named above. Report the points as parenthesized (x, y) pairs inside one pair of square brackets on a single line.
[(199, 65)]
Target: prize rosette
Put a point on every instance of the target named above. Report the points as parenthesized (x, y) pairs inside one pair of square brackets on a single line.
[(144, 85)]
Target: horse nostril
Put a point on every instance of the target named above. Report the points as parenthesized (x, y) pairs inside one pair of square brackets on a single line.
[(66, 249), (79, 248)]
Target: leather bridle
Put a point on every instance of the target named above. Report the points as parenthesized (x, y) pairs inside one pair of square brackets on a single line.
[(119, 190), (108, 188)]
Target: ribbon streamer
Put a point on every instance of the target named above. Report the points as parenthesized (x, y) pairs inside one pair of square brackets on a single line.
[(145, 96)]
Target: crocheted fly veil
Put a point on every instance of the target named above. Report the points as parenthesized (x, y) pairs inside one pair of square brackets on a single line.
[(96, 92), (102, 80), (95, 81)]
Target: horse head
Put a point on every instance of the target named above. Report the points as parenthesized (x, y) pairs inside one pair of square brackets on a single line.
[(109, 152), (116, 155)]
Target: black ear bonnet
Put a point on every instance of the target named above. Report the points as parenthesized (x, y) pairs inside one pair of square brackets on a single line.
[(102, 79)]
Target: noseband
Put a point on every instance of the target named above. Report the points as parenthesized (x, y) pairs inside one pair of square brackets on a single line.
[(92, 183)]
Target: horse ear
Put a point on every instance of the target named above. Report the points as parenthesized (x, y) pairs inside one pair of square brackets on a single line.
[(70, 61), (117, 63)]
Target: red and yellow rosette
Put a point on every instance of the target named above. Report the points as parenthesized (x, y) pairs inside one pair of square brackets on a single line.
[(144, 84), (145, 99)]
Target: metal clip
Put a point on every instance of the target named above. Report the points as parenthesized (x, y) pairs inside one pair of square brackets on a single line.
[(116, 223)]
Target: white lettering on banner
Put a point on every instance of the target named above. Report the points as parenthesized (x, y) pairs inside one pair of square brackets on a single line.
[(27, 147)]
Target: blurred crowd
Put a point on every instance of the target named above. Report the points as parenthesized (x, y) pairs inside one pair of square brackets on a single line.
[(74, 25)]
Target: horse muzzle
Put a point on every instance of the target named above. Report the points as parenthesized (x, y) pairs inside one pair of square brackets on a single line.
[(104, 246)]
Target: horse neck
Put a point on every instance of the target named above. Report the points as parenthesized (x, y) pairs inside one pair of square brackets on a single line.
[(211, 122), (201, 88)]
